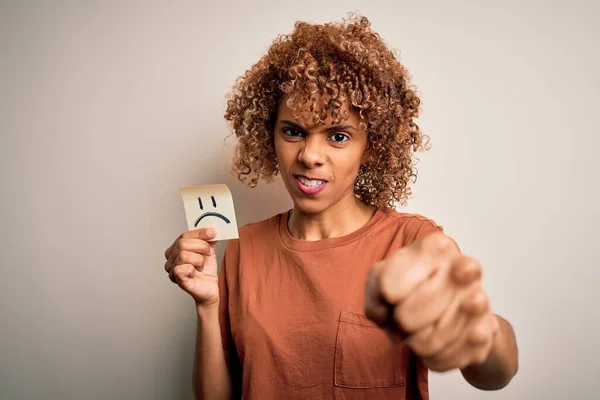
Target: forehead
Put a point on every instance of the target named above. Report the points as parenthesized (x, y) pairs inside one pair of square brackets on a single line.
[(305, 115)]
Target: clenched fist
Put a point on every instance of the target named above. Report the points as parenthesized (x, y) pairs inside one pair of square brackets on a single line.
[(429, 296), (192, 264)]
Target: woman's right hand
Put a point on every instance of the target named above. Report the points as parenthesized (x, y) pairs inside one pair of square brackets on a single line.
[(192, 264)]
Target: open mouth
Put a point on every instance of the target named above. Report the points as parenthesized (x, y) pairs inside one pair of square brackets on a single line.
[(309, 185), (310, 182)]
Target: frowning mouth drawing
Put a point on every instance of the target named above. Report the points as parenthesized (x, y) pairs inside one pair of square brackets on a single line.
[(210, 214)]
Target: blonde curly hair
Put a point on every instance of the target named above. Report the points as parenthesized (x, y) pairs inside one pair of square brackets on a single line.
[(344, 61)]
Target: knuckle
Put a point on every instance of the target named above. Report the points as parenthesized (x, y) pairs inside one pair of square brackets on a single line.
[(434, 345), (482, 302), (183, 244), (205, 246), (418, 346), (442, 241), (186, 234), (183, 257), (424, 342), (408, 320), (181, 271), (421, 346), (175, 248), (478, 334), (475, 290), (474, 268), (425, 347), (472, 264)]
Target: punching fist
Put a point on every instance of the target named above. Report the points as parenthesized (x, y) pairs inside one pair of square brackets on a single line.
[(429, 296), (192, 264)]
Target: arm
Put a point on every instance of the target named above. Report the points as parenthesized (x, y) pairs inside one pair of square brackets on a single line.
[(192, 264), (211, 377), (502, 363), (431, 297)]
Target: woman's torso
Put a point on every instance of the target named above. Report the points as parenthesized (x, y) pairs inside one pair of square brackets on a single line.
[(295, 312)]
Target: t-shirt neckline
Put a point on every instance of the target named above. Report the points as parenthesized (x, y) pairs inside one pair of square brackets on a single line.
[(315, 245)]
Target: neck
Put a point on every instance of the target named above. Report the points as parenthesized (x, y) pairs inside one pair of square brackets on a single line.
[(339, 220)]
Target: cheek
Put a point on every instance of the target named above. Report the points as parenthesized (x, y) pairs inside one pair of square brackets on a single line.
[(283, 153), (349, 164)]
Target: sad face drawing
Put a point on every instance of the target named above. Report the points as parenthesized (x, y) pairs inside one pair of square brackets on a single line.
[(210, 206), (210, 214)]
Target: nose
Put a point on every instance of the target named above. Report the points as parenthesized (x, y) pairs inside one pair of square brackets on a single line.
[(311, 153)]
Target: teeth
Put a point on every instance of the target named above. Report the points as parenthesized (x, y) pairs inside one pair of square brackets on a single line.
[(310, 182)]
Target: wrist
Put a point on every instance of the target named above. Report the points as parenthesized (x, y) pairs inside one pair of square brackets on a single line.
[(207, 310)]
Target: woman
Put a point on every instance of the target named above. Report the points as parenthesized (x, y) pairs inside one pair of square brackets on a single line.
[(342, 296)]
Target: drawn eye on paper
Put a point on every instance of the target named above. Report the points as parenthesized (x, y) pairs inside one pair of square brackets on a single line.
[(210, 206)]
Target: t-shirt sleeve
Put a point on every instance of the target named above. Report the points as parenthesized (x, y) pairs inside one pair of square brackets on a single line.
[(418, 227), (424, 226)]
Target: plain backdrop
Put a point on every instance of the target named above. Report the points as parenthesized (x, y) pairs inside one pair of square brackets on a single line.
[(107, 108)]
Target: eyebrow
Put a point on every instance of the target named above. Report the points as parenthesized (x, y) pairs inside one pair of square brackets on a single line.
[(328, 129)]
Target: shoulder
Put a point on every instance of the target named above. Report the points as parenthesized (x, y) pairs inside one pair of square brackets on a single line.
[(252, 238), (255, 232), (260, 228), (410, 220), (410, 226)]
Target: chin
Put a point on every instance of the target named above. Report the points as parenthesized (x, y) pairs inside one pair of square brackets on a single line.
[(313, 205), (310, 206)]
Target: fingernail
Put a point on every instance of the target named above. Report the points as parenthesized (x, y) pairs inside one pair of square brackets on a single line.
[(211, 231)]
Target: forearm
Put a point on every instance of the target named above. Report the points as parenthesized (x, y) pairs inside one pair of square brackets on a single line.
[(502, 364), (211, 377)]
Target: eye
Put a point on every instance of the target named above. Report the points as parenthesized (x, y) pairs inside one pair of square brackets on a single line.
[(291, 132), (339, 137)]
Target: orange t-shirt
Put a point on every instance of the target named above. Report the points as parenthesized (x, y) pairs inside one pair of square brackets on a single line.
[(292, 313)]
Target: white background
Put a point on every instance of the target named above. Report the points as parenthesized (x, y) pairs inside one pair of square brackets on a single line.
[(108, 108)]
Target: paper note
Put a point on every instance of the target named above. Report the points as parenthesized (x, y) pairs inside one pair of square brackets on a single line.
[(210, 206)]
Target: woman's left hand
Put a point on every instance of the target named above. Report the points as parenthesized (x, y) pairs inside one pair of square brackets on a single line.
[(429, 296)]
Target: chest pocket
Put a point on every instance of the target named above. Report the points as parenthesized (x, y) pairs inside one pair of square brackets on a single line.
[(365, 357)]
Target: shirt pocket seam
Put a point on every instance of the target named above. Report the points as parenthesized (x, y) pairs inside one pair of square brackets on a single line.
[(349, 318)]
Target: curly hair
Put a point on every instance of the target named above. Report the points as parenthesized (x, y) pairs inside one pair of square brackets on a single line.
[(344, 61)]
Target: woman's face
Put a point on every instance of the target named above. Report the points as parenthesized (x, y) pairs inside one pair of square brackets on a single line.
[(318, 163)]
